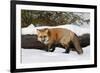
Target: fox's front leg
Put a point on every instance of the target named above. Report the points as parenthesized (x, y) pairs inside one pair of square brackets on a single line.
[(67, 49), (50, 48)]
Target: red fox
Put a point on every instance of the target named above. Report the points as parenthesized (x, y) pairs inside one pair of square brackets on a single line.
[(59, 36)]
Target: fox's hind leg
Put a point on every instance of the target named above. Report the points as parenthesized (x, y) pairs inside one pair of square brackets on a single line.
[(66, 47), (67, 50), (77, 45), (65, 44)]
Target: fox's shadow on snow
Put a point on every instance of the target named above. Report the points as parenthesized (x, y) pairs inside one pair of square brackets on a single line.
[(31, 42)]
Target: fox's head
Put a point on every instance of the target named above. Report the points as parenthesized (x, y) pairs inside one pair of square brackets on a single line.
[(43, 35)]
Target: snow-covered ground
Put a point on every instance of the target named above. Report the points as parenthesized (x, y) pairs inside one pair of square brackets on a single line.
[(37, 56), (34, 55)]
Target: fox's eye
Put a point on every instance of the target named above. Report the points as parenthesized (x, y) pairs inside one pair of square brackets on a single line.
[(40, 36)]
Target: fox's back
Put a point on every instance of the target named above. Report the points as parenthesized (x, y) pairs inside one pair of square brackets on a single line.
[(54, 35), (59, 33)]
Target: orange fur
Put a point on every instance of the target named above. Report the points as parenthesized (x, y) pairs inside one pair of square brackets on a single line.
[(59, 35)]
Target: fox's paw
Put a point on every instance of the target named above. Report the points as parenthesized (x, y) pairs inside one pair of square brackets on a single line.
[(67, 51), (80, 52), (50, 50)]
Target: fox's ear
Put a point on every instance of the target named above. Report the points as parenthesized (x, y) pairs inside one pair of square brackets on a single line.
[(46, 30), (38, 30)]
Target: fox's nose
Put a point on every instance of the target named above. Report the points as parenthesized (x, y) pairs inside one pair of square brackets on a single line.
[(43, 40)]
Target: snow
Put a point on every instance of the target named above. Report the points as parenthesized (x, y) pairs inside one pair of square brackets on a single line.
[(33, 55), (84, 16), (79, 30), (36, 56), (28, 30)]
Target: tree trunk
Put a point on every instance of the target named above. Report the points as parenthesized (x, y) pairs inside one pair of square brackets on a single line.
[(30, 42)]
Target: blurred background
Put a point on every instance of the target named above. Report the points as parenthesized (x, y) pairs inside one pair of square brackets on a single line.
[(53, 18)]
